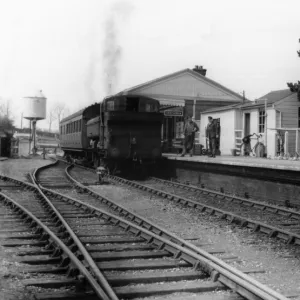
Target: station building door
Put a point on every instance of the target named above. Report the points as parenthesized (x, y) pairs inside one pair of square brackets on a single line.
[(247, 124), (172, 132), (218, 125)]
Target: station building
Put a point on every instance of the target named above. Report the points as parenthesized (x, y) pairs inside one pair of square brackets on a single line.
[(272, 115), (183, 93)]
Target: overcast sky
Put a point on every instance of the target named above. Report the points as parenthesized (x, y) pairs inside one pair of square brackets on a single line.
[(71, 49)]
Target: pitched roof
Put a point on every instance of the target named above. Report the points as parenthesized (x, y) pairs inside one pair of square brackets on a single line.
[(224, 108), (272, 97), (194, 73)]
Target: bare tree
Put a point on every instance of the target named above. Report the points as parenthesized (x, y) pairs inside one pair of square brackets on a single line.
[(6, 120), (5, 109), (59, 111), (51, 118), (295, 87)]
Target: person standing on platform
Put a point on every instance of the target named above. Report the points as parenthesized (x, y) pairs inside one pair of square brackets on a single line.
[(211, 135), (247, 144), (190, 128)]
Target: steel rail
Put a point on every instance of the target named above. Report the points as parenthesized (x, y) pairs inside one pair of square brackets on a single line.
[(35, 221), (272, 231), (97, 273), (218, 273), (263, 206), (252, 203), (166, 235)]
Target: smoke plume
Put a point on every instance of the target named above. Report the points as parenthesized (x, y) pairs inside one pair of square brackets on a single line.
[(89, 78), (112, 49)]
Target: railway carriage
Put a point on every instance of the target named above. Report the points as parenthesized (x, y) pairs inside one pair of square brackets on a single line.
[(126, 131)]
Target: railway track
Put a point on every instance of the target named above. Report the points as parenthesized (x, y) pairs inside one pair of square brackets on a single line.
[(43, 227), (259, 216), (113, 253), (142, 223)]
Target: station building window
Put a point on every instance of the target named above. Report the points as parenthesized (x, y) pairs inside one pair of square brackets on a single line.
[(261, 121), (298, 117)]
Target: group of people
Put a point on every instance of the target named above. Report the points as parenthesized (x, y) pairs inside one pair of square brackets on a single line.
[(190, 128)]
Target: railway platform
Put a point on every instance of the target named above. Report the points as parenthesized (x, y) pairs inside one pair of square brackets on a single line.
[(272, 180), (240, 161)]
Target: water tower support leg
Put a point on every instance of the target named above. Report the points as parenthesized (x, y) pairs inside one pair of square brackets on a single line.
[(34, 134), (30, 135)]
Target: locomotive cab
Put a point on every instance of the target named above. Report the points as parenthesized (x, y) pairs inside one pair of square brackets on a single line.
[(131, 127)]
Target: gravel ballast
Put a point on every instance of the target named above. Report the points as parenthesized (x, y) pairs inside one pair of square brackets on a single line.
[(254, 251)]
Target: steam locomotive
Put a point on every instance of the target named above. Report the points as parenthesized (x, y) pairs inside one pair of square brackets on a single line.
[(122, 132)]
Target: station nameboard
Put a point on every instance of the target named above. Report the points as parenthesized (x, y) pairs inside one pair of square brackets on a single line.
[(173, 113)]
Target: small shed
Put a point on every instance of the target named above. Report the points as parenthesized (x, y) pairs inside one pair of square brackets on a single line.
[(229, 119), (270, 116)]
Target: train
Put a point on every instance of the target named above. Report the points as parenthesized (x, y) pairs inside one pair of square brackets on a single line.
[(123, 132)]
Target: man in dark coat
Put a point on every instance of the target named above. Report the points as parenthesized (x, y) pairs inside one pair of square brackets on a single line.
[(190, 128), (212, 135)]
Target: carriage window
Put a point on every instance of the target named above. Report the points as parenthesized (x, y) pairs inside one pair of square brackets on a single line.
[(148, 107), (79, 125), (110, 105)]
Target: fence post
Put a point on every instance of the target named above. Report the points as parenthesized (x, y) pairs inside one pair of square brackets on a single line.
[(286, 142)]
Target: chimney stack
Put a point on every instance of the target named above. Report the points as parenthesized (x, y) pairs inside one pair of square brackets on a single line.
[(200, 70)]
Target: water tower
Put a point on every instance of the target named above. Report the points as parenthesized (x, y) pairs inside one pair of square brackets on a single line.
[(34, 110)]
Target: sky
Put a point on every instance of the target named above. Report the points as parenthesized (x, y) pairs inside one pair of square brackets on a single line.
[(78, 51)]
